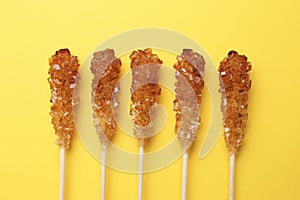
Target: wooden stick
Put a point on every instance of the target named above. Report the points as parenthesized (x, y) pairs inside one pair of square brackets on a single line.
[(103, 174), (231, 176), (141, 169), (184, 175), (62, 173)]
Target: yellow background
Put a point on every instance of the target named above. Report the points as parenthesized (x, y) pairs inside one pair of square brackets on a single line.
[(266, 31)]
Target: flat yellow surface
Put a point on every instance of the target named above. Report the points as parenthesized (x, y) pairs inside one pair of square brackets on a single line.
[(266, 31)]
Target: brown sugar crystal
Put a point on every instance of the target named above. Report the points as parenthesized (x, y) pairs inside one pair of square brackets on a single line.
[(189, 74), (106, 69), (63, 79), (234, 86), (144, 91)]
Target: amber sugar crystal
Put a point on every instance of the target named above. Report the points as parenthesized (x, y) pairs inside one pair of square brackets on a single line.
[(144, 91), (234, 86), (189, 74), (106, 69), (63, 76)]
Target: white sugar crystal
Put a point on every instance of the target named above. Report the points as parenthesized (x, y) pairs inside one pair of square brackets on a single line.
[(56, 67), (194, 126), (72, 85), (54, 97), (181, 133), (188, 136), (54, 93), (226, 129), (66, 113), (176, 106), (116, 89), (223, 73), (97, 121), (57, 81), (115, 104)]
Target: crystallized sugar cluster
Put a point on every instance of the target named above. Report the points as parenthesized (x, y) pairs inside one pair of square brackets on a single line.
[(235, 84), (63, 77), (189, 74), (106, 69), (144, 92)]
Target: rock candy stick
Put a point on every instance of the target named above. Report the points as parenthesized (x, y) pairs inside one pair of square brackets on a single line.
[(144, 93), (189, 74), (63, 77), (106, 69), (234, 86)]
